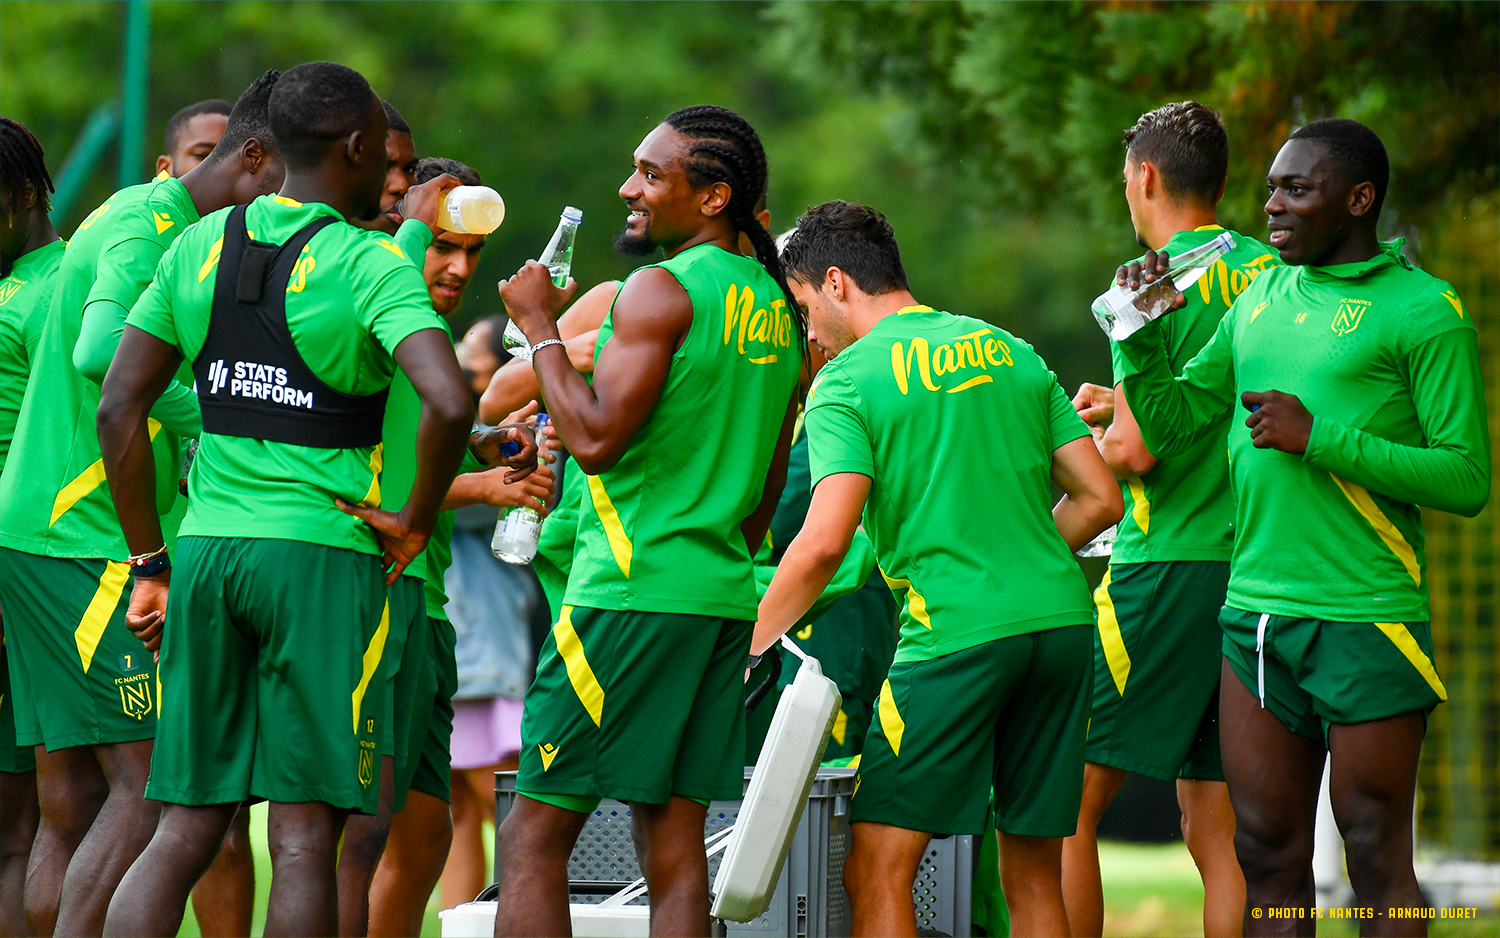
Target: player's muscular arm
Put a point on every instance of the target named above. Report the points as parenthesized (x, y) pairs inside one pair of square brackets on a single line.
[(1452, 472), (99, 338), (1115, 430), (142, 369), (815, 553), (651, 317), (1091, 498), (755, 527), (514, 384)]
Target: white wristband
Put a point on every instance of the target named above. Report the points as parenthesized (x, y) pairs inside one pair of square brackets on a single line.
[(543, 344)]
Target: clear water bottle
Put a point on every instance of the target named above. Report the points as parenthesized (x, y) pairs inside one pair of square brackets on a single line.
[(1121, 311), (558, 259), (517, 531), (1101, 546)]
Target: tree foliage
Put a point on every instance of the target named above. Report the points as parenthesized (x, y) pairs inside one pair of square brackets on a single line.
[(1031, 97)]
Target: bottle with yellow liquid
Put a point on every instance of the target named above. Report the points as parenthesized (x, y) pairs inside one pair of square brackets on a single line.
[(468, 210)]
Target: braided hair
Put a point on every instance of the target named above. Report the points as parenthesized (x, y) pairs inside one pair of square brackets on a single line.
[(21, 161), (725, 148)]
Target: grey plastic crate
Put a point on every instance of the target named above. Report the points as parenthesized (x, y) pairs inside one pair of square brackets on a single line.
[(810, 899)]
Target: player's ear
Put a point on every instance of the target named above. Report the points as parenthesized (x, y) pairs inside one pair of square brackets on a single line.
[(1361, 199), (252, 156), (354, 147), (834, 283), (163, 164), (716, 198)]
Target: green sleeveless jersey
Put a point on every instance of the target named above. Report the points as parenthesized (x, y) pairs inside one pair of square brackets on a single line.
[(660, 532)]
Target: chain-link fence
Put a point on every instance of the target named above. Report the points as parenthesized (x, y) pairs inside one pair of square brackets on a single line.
[(1459, 786)]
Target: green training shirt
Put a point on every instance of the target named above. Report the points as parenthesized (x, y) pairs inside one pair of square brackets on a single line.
[(25, 297), (955, 421), (660, 531), (352, 298), (1182, 508), (1386, 359), (56, 502), (403, 412)]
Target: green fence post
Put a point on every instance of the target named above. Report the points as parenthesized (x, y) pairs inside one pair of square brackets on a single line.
[(137, 56)]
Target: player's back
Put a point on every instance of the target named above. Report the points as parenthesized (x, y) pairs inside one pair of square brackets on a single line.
[(955, 420), (660, 531)]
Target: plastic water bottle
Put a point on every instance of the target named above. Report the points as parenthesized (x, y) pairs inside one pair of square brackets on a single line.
[(558, 258), (1101, 546), (1120, 311), (471, 210), (517, 531)]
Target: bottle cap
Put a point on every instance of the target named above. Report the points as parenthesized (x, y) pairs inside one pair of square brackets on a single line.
[(573, 214)]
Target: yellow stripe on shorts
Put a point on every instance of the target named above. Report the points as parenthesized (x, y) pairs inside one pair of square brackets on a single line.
[(890, 718), (87, 480), (580, 675), (373, 651), (1109, 635), (96, 617), (619, 541), (1402, 638), (840, 726)]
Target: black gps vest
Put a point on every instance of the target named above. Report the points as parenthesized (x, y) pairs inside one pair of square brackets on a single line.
[(251, 381)]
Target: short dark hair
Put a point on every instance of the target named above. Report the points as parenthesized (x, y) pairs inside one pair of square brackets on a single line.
[(394, 118), (180, 120), (1188, 145), (1357, 150), (22, 161), (315, 104), (852, 237), (250, 118), (431, 167)]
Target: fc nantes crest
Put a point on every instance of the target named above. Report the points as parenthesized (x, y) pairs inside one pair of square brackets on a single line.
[(366, 763), (1349, 314), (135, 695)]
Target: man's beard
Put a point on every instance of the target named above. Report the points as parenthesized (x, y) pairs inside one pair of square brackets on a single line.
[(635, 245)]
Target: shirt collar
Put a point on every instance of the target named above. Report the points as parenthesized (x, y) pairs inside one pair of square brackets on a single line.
[(1390, 254)]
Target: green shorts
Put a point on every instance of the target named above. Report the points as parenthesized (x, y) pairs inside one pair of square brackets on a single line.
[(13, 758), (402, 664), (1313, 673), (638, 706), (1013, 712), (425, 695), (268, 659), (1156, 669), (78, 676)]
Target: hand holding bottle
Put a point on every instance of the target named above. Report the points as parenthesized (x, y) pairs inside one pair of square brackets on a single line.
[(533, 301), (1151, 287), (423, 202)]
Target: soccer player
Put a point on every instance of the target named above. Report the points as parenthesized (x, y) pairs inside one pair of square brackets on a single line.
[(400, 172), (30, 252), (271, 641), (421, 663), (191, 136), (87, 694), (1156, 648), (684, 434), (1360, 374), (946, 434)]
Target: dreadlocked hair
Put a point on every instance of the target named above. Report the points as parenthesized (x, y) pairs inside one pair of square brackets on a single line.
[(725, 148), (21, 161)]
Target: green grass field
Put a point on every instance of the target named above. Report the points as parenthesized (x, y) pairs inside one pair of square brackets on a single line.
[(1151, 891)]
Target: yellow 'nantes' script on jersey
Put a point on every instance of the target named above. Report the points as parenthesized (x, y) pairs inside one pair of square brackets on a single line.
[(760, 332), (979, 349)]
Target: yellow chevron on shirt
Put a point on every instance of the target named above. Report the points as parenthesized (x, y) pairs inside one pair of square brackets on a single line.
[(916, 603), (87, 480), (1140, 507), (614, 529), (1393, 538)]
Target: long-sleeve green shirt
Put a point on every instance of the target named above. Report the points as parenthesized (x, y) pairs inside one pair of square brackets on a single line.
[(1386, 359)]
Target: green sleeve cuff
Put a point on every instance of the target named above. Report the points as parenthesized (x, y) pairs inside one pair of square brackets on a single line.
[(414, 238), (1140, 353)]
